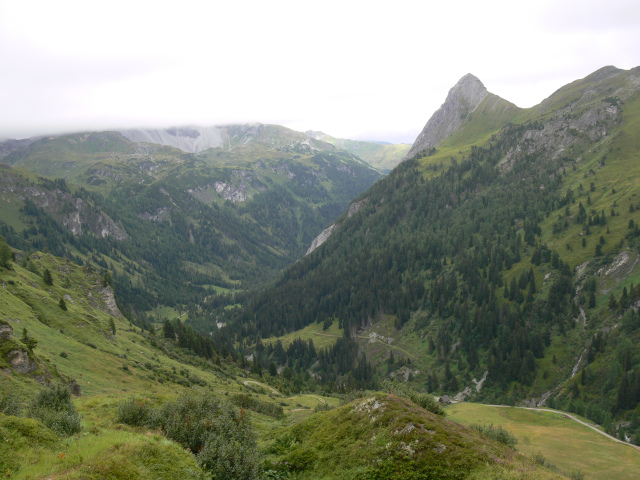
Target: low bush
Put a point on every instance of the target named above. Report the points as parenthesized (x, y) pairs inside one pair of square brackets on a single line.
[(134, 411), (423, 400), (498, 434), (10, 405), (267, 408), (217, 433), (53, 407), (323, 407)]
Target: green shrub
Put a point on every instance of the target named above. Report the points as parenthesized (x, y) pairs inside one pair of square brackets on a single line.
[(267, 408), (53, 407), (498, 434), (322, 407), (230, 449), (216, 432), (134, 411), (10, 405), (423, 400)]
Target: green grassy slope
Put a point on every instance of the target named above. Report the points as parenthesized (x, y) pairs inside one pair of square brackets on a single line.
[(558, 439), (384, 436), (384, 157)]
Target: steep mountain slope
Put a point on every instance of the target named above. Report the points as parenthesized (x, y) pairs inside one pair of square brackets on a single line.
[(174, 227), (497, 264), (383, 156), (462, 100)]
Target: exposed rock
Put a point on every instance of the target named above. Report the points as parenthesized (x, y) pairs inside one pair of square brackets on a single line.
[(481, 381), (355, 207), (543, 399), (160, 215), (110, 302), (320, 239), (461, 101), (460, 396), (20, 361), (73, 212), (5, 331), (622, 265), (75, 388), (403, 373), (229, 192), (561, 131), (368, 406)]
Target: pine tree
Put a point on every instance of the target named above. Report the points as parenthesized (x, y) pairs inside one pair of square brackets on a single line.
[(28, 341), (46, 276), (169, 331), (6, 255), (622, 399), (612, 302), (62, 304)]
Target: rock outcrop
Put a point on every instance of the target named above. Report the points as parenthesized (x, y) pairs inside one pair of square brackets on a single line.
[(354, 208), (320, 239), (461, 101)]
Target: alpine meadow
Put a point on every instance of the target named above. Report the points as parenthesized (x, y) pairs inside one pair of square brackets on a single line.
[(247, 301)]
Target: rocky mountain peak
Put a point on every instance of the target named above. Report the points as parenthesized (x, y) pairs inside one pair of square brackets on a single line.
[(462, 100)]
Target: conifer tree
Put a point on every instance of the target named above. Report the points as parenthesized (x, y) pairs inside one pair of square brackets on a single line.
[(47, 277)]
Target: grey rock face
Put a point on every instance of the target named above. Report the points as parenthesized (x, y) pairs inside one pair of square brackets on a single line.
[(462, 100), (320, 239), (354, 208), (20, 361)]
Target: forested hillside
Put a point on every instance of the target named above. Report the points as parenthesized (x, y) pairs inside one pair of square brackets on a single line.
[(510, 248), (168, 228)]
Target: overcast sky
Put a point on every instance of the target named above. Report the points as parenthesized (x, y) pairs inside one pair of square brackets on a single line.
[(354, 69)]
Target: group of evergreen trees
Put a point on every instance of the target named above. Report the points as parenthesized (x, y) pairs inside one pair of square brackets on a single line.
[(443, 246)]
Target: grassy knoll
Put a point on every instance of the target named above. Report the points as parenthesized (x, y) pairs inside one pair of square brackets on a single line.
[(563, 442), (321, 338), (385, 436)]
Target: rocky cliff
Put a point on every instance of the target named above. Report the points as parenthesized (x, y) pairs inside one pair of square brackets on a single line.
[(461, 101)]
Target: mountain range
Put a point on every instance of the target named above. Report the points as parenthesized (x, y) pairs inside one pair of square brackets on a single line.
[(172, 226), (175, 279), (497, 263)]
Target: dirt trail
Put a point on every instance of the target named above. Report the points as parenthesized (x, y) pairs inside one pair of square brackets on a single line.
[(365, 337), (314, 396), (246, 384), (568, 415)]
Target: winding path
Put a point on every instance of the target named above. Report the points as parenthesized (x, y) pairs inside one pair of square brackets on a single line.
[(365, 337), (314, 396), (246, 384)]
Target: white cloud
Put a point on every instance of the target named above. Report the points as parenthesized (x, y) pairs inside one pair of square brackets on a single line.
[(349, 68)]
